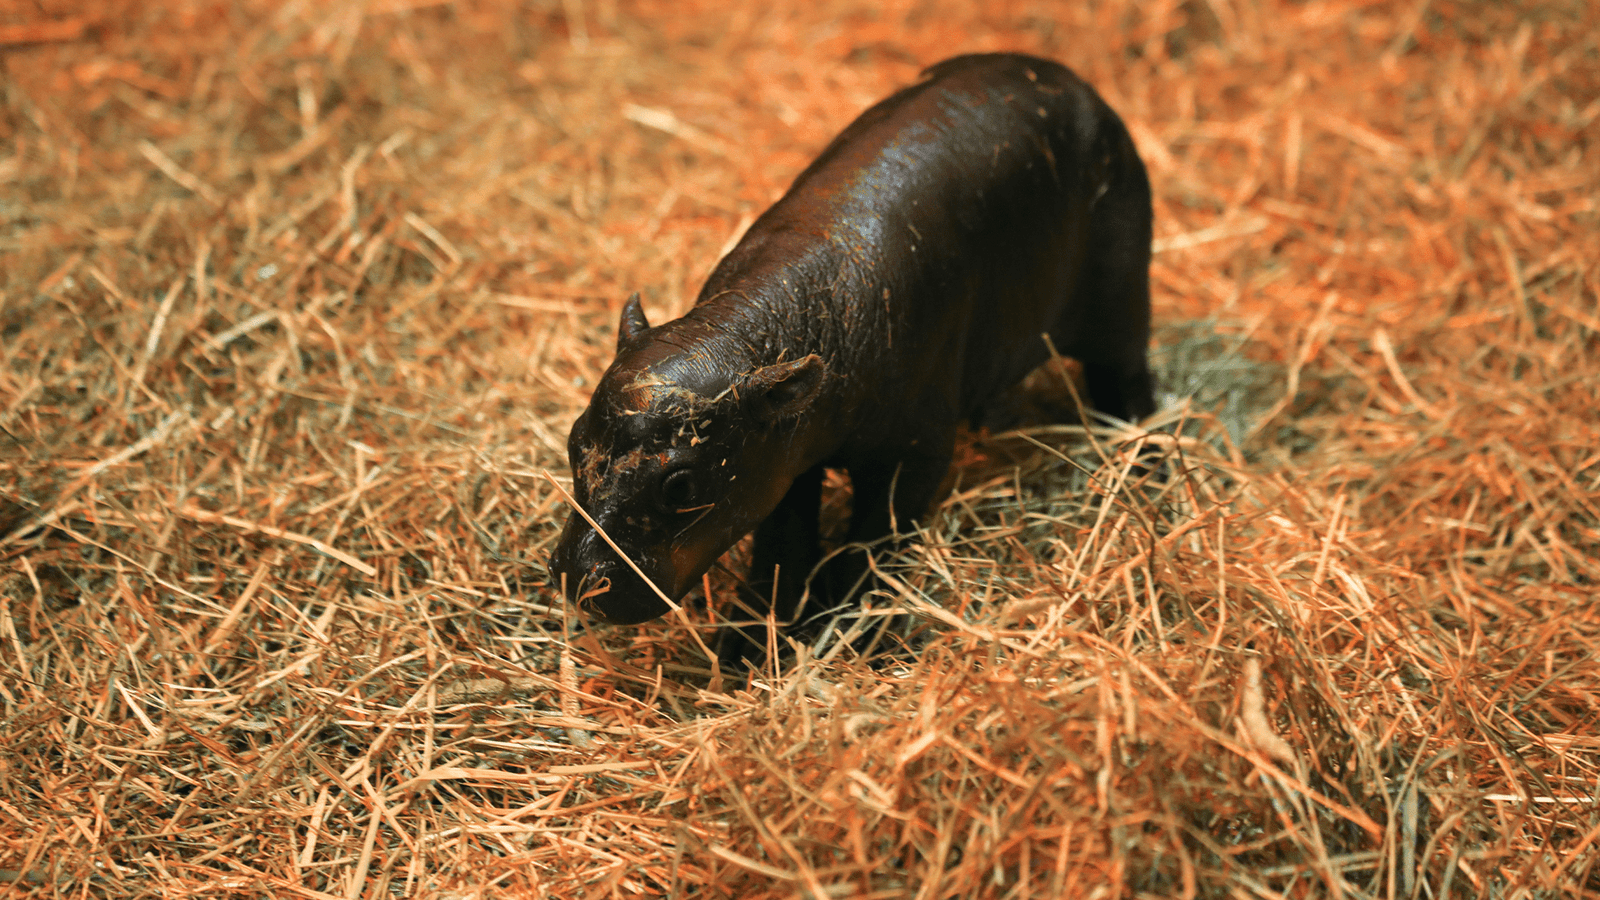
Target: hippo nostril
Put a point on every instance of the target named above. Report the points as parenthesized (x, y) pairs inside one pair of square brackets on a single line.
[(595, 589)]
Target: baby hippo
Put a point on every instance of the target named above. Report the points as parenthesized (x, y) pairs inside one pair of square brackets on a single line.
[(910, 274)]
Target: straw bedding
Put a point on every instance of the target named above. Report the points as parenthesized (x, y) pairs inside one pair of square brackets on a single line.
[(297, 302)]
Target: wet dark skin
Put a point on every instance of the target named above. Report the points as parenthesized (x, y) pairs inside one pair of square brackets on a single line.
[(908, 276)]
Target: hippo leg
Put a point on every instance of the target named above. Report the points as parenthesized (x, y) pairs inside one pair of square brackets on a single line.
[(785, 549), (907, 486), (1107, 324), (1124, 391), (784, 552), (1112, 337)]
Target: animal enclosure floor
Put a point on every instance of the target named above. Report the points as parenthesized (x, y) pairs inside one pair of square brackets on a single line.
[(297, 304)]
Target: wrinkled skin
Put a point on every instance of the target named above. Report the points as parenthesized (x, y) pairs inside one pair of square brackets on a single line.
[(906, 278)]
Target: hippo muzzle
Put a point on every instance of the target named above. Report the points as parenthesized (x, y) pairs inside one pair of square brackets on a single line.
[(602, 583)]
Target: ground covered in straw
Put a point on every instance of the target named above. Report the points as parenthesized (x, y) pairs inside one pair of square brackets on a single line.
[(300, 299)]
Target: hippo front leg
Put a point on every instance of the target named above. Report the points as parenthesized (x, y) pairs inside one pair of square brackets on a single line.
[(786, 548), (784, 552)]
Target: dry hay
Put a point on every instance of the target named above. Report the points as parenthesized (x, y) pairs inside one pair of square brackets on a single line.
[(299, 300)]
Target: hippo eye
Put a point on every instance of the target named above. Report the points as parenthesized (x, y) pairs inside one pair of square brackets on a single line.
[(678, 490)]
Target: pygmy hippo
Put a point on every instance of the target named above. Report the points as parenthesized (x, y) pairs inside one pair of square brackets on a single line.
[(910, 274)]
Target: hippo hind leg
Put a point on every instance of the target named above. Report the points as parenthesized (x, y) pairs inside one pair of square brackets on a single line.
[(1108, 330), (889, 496), (1124, 391), (1107, 323)]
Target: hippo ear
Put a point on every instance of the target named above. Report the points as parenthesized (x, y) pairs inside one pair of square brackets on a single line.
[(633, 322), (784, 390)]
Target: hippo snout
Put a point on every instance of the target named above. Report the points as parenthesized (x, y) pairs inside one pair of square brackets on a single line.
[(600, 582)]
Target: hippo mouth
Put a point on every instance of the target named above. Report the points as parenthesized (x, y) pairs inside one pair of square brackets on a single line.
[(601, 583), (605, 586), (618, 596)]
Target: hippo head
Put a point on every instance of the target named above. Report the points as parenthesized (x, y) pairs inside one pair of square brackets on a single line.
[(686, 446)]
